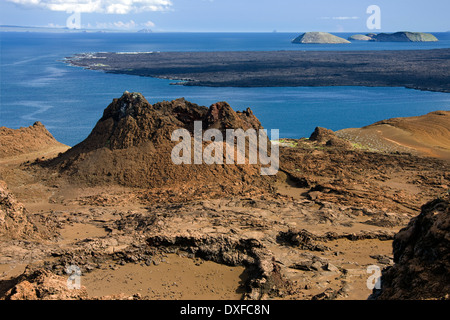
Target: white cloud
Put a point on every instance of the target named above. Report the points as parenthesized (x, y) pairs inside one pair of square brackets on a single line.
[(53, 25), (98, 6), (339, 18), (123, 25), (345, 18)]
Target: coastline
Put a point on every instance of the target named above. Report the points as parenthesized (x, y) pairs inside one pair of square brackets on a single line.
[(414, 69)]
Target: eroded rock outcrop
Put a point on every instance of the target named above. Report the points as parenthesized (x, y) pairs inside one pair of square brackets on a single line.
[(264, 274), (131, 146), (41, 284), (15, 222), (329, 138), (421, 256)]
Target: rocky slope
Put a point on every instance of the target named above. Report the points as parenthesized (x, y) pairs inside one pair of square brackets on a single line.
[(426, 135), (319, 37), (328, 169), (421, 256), (14, 142)]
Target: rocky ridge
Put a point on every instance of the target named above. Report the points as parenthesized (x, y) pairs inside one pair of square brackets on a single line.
[(14, 142)]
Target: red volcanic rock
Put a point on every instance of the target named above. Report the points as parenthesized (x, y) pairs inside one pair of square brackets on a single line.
[(421, 256)]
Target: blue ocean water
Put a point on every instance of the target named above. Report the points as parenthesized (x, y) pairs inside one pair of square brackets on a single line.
[(36, 85)]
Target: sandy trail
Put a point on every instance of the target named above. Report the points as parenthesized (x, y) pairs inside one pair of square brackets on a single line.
[(172, 277), (46, 153)]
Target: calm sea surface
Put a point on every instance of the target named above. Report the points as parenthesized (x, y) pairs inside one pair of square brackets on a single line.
[(36, 85)]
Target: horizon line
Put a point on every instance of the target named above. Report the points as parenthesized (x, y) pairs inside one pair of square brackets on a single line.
[(176, 31)]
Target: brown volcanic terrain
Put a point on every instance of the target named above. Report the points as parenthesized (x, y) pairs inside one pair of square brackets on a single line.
[(427, 135), (422, 256), (15, 221), (35, 138), (132, 142), (308, 233)]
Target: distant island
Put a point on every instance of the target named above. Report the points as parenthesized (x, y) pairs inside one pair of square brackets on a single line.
[(417, 69), (403, 36), (319, 37), (360, 37), (328, 38)]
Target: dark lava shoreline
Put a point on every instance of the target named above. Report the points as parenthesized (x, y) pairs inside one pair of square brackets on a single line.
[(417, 69)]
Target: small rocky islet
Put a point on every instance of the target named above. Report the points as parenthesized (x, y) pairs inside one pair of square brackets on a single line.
[(328, 38), (319, 37), (403, 36)]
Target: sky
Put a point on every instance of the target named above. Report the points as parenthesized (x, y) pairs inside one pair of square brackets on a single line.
[(229, 15)]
